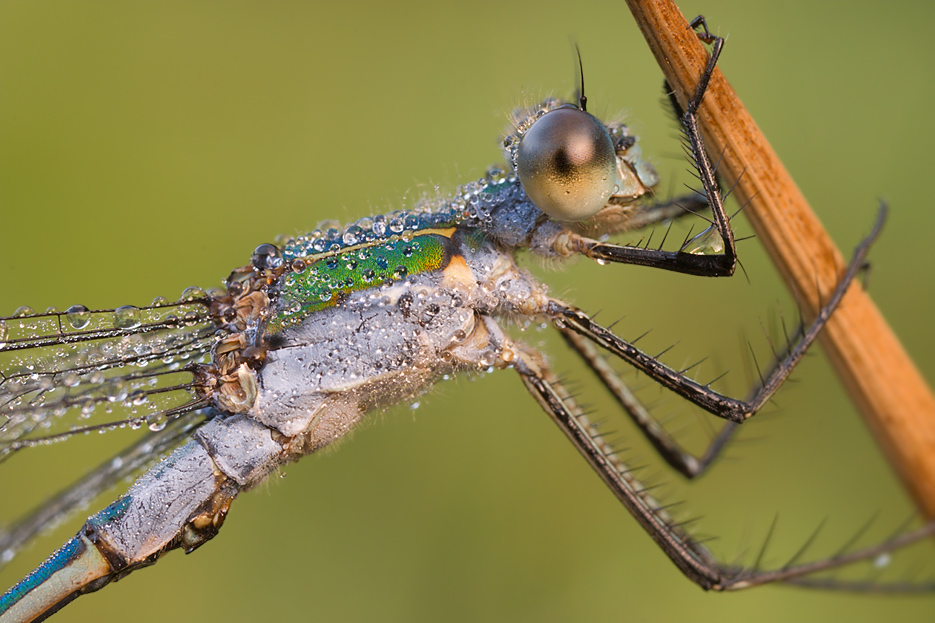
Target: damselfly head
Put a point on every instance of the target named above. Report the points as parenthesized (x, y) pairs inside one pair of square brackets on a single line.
[(571, 165), (567, 164)]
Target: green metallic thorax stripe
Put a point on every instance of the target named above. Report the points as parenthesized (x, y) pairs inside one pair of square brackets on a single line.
[(326, 282)]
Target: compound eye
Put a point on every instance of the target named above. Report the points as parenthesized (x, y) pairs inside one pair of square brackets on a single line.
[(567, 164)]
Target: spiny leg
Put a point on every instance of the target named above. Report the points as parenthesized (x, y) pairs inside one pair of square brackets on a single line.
[(568, 318), (692, 558), (667, 446), (720, 264)]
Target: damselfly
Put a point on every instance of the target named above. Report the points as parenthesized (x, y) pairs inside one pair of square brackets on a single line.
[(186, 561)]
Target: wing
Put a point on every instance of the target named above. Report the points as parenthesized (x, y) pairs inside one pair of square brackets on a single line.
[(67, 373)]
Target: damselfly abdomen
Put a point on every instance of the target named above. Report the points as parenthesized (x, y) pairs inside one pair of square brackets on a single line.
[(648, 299)]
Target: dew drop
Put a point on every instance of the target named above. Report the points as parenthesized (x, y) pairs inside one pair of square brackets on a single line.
[(116, 390), (352, 235), (266, 256), (158, 422), (126, 317), (708, 242), (400, 272), (78, 316), (138, 398), (379, 225), (192, 293), (22, 312)]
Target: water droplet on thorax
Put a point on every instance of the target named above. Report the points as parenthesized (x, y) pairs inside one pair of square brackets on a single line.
[(266, 256)]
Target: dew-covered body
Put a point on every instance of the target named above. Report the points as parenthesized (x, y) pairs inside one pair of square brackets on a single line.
[(320, 330), (328, 328)]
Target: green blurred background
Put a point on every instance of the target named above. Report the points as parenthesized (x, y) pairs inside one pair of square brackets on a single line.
[(146, 147)]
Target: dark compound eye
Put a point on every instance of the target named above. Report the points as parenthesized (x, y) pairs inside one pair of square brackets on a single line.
[(567, 164)]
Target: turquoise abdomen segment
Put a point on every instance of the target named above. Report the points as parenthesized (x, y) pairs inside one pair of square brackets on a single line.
[(68, 552), (76, 567), (71, 568), (325, 282)]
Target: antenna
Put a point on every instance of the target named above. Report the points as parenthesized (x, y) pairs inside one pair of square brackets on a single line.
[(582, 98)]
